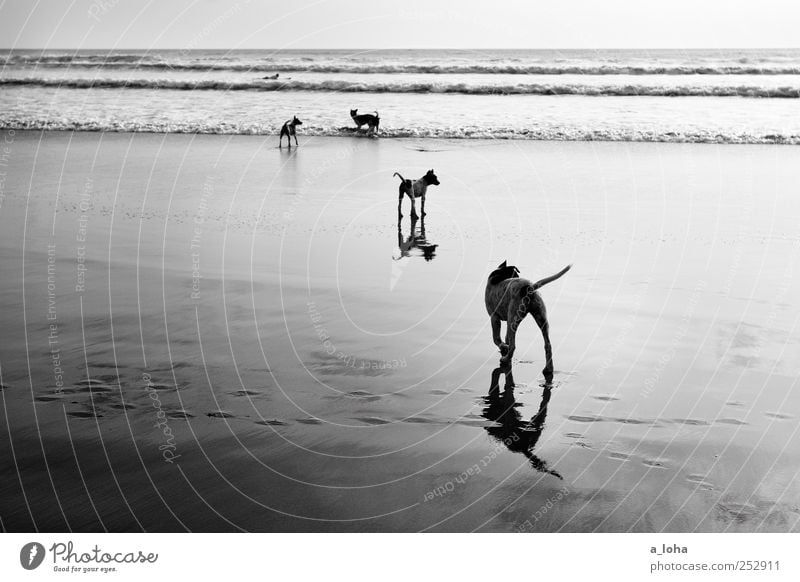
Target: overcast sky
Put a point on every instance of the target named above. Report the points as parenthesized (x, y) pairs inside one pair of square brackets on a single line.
[(182, 24)]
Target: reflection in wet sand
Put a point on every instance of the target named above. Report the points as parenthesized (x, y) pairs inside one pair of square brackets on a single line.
[(518, 435), (323, 442), (416, 240)]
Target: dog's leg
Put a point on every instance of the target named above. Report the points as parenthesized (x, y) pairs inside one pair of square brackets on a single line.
[(400, 203), (423, 204), (540, 315), (541, 321), (496, 336), (295, 139), (514, 319)]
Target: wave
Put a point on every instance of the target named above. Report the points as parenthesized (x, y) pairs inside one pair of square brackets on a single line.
[(482, 133), (411, 87), (265, 65)]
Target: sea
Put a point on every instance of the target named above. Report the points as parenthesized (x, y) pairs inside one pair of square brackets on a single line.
[(713, 96)]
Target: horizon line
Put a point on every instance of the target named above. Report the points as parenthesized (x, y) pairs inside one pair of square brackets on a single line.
[(727, 48)]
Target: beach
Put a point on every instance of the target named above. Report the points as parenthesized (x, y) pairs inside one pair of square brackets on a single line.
[(208, 333)]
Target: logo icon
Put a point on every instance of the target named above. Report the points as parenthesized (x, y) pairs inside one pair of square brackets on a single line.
[(31, 555)]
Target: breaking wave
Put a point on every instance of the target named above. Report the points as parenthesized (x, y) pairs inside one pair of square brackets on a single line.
[(502, 133), (340, 86), (265, 64)]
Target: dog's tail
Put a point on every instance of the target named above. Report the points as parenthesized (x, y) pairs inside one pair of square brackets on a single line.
[(550, 279), (399, 176)]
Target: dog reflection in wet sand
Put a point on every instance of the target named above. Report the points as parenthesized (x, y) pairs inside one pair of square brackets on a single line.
[(519, 435), (416, 240)]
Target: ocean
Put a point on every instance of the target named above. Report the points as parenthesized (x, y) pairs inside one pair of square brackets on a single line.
[(719, 96)]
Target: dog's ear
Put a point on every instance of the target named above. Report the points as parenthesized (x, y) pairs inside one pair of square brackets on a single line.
[(502, 265)]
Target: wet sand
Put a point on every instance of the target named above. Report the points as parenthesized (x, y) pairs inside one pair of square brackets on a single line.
[(207, 333)]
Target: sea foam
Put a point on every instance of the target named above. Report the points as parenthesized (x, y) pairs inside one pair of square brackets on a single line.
[(464, 88), (482, 133)]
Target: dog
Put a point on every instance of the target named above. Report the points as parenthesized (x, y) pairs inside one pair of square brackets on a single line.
[(371, 121), (289, 130), (414, 190), (510, 298)]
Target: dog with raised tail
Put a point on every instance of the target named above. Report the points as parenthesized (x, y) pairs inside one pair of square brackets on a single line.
[(510, 298), (289, 130), (415, 189), (371, 121)]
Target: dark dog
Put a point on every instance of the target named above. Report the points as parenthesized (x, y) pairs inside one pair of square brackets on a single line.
[(510, 298), (289, 130), (414, 190), (371, 121)]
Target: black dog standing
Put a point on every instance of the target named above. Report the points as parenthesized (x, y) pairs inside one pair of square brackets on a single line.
[(415, 189), (510, 298), (289, 130), (372, 122)]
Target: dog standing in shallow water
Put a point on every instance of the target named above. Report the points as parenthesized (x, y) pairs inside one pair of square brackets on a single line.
[(510, 298), (415, 189), (371, 121), (289, 130)]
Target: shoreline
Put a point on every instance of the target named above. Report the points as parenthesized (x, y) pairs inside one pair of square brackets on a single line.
[(350, 133)]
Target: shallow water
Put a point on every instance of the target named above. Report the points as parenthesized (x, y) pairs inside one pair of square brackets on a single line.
[(726, 96), (319, 368)]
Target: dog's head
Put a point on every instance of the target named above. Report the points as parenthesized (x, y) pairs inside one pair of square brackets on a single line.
[(353, 112), (503, 272), (430, 178), (428, 251), (296, 121)]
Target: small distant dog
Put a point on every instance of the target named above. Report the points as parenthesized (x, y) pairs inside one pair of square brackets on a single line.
[(289, 130), (510, 298), (414, 190), (371, 121)]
